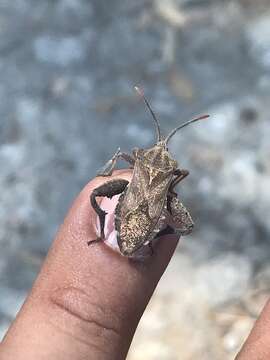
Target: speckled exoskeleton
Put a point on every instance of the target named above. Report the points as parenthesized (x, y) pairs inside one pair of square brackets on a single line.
[(148, 205)]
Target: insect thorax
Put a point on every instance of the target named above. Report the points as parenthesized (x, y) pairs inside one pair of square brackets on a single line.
[(158, 157)]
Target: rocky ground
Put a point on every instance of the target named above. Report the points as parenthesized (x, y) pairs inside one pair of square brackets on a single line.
[(68, 68)]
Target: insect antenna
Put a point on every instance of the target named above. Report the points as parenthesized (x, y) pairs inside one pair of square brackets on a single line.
[(140, 92), (183, 125)]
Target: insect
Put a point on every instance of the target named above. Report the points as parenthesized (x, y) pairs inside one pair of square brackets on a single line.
[(148, 205)]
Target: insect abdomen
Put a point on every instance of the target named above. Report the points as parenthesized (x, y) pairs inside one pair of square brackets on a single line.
[(134, 229)]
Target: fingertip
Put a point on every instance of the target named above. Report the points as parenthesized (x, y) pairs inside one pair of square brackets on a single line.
[(83, 289)]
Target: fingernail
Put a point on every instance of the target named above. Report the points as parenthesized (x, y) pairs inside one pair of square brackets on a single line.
[(109, 230)]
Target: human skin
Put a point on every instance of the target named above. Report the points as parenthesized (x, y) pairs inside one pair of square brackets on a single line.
[(87, 301), (257, 345)]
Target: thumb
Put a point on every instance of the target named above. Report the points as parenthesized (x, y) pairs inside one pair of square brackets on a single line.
[(87, 301)]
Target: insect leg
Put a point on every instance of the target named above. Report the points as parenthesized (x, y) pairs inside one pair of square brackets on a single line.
[(167, 231), (109, 189), (108, 168), (180, 218), (180, 175), (151, 248)]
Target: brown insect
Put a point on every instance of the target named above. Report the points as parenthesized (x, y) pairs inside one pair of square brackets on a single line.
[(148, 205)]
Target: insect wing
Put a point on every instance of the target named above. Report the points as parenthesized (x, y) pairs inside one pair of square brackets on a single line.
[(141, 207)]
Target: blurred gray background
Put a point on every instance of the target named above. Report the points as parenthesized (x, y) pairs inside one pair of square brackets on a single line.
[(67, 71)]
